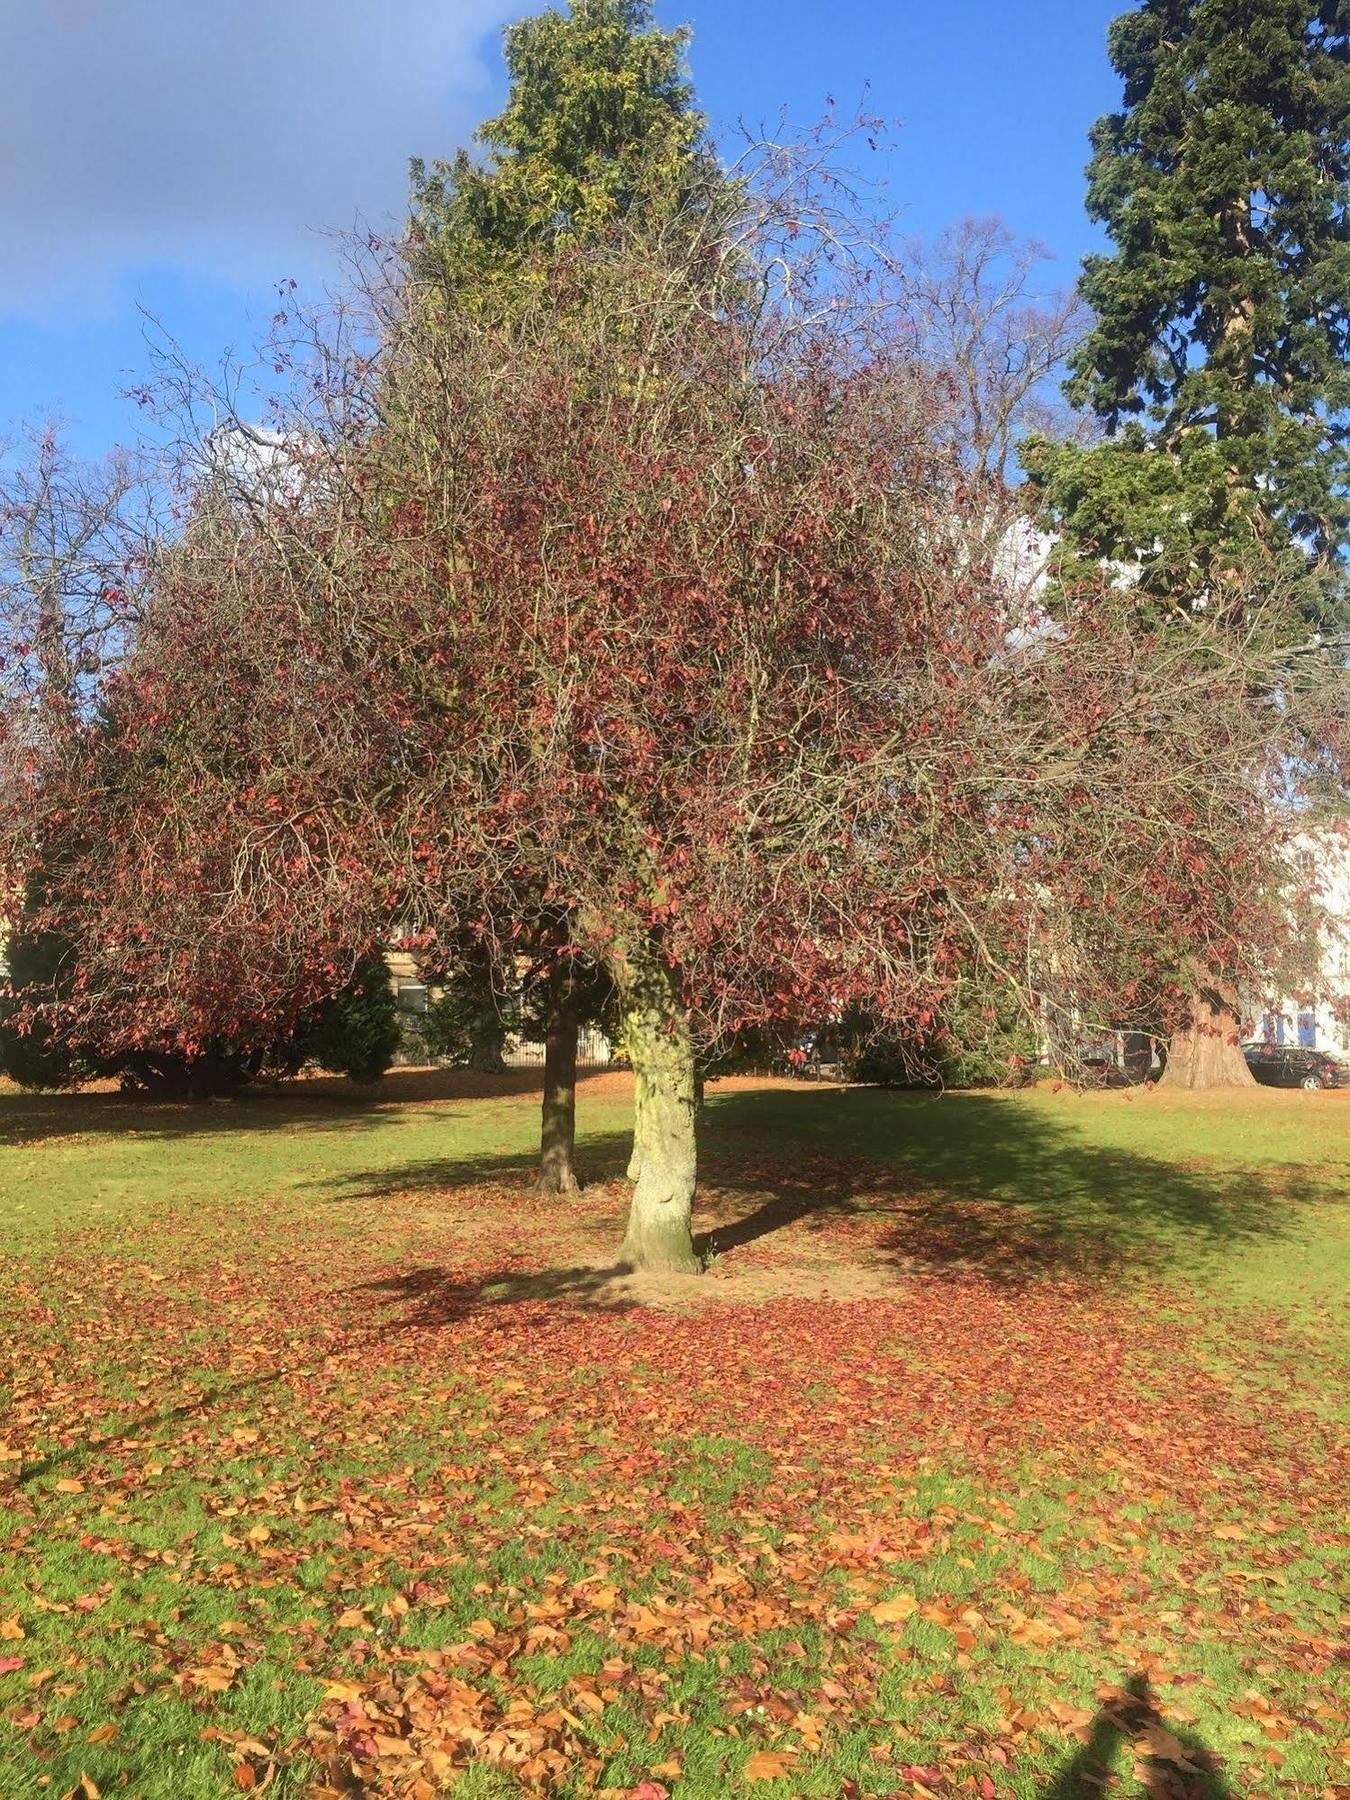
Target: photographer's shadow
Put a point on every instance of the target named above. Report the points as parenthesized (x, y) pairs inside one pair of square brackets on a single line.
[(1175, 1766)]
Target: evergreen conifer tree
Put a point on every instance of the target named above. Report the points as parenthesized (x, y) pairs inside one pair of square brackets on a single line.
[(1218, 360)]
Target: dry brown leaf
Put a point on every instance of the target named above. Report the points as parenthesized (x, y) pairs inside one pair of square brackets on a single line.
[(768, 1765), (895, 1610)]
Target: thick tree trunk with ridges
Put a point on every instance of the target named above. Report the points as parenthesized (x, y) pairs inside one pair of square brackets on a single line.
[(1207, 1052)]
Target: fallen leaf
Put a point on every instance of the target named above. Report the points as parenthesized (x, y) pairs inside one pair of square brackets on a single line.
[(767, 1765), (1169, 1749), (895, 1610)]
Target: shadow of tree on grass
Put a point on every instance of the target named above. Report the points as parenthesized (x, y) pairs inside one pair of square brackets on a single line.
[(960, 1181), (433, 1297)]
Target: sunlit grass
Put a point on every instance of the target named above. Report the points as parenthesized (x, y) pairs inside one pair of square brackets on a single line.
[(252, 1454)]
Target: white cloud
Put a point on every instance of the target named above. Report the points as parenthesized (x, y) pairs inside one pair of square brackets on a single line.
[(218, 137)]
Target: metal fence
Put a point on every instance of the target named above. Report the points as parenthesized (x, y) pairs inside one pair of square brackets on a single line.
[(593, 1052)]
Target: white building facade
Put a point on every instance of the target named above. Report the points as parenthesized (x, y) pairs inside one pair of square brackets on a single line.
[(1319, 1017)]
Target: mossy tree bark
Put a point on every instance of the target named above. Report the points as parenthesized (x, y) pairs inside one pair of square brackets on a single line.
[(1207, 1051), (660, 1230), (635, 1159)]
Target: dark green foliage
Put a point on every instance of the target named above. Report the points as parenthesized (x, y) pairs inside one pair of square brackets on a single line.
[(1218, 360), (753, 1051), (37, 1055), (469, 1021), (357, 1033), (478, 1008), (883, 1059), (983, 1039), (215, 1072), (985, 1043), (592, 997), (599, 114)]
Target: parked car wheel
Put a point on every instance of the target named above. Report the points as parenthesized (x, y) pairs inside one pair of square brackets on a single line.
[(1312, 1083)]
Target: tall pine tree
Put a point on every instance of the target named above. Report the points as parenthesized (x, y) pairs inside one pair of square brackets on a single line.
[(1218, 362)]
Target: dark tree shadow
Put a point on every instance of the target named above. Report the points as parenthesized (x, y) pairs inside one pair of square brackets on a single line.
[(978, 1179), (316, 1103), (904, 1183), (603, 1156), (432, 1298), (1177, 1766), (935, 1184)]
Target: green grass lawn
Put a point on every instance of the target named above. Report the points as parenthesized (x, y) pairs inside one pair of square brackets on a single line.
[(1001, 1451)]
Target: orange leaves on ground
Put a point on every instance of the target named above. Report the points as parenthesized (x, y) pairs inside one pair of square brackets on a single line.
[(432, 1439), (768, 1765), (895, 1610)]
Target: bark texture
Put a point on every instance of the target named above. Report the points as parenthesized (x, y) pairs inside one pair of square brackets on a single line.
[(1207, 1052), (660, 1232), (635, 1159), (558, 1124)]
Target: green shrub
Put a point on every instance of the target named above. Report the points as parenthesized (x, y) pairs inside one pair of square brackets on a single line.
[(40, 967), (468, 1024), (357, 1033), (981, 1039)]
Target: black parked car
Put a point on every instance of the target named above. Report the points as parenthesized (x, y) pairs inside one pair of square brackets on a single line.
[(1292, 1065)]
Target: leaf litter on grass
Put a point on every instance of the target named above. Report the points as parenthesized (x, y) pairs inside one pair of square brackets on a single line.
[(311, 1520)]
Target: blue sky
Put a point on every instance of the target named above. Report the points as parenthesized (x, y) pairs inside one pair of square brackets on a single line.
[(179, 158)]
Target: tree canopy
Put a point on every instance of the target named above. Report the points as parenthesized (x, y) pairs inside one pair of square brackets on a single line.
[(1219, 360), (599, 114), (666, 614)]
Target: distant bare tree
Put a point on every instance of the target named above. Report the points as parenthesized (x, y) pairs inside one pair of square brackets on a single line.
[(75, 545), (982, 321)]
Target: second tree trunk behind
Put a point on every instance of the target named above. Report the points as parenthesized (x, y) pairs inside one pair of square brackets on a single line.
[(1207, 1051), (558, 1125)]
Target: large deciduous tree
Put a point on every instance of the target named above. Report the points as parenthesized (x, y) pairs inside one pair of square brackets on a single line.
[(698, 650), (1217, 362), (650, 601), (599, 119)]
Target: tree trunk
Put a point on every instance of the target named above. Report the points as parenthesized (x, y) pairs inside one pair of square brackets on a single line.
[(558, 1125), (635, 1160), (1207, 1051), (660, 1235)]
